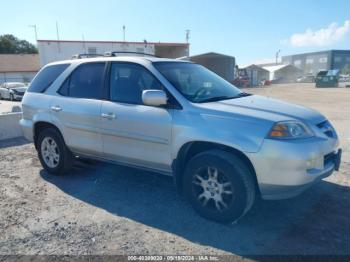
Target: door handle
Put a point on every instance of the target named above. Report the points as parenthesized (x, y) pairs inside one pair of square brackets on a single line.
[(108, 115), (56, 108)]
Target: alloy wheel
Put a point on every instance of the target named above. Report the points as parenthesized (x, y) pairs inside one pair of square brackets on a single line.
[(213, 189), (50, 152)]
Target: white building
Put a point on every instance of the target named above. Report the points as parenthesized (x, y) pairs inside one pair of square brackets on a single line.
[(55, 50), (283, 73), (18, 67)]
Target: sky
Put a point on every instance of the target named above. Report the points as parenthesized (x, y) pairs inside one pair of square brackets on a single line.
[(250, 30)]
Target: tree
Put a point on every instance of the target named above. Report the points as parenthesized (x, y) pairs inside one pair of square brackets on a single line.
[(10, 44)]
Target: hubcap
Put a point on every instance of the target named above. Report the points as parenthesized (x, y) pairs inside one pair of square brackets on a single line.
[(50, 152), (213, 189)]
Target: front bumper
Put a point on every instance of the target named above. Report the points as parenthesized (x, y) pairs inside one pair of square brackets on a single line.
[(285, 169)]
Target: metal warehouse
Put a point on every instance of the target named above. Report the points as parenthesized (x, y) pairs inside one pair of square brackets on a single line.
[(312, 63), (257, 74), (283, 73), (223, 65), (55, 50)]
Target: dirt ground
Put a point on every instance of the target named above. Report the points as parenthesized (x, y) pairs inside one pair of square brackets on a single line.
[(105, 209)]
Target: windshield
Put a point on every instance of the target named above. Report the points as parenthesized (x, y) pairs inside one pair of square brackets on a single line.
[(197, 83)]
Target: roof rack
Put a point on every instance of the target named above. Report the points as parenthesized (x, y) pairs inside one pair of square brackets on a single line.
[(115, 53), (79, 56)]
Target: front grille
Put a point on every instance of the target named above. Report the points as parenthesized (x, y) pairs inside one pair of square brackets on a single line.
[(326, 128)]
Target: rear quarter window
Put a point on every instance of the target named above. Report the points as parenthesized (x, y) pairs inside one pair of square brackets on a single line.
[(46, 77)]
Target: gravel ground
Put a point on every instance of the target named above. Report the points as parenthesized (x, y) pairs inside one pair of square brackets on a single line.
[(105, 209)]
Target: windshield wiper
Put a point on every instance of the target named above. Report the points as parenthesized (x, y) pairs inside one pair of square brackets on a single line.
[(218, 98), (243, 94)]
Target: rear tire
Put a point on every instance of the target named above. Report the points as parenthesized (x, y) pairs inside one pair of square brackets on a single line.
[(226, 198), (53, 153)]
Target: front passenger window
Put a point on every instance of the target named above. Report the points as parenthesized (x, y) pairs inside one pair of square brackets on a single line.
[(128, 81)]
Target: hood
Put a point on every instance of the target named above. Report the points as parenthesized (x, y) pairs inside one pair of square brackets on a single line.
[(20, 89), (265, 108)]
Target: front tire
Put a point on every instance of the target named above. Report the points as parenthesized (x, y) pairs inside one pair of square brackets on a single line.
[(219, 186), (53, 153)]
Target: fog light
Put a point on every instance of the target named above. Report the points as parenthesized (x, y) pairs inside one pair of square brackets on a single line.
[(316, 163)]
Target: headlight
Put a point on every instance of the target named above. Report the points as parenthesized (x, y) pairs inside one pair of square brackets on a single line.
[(290, 130)]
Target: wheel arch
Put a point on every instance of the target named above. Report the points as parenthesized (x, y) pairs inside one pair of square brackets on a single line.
[(39, 127), (190, 149)]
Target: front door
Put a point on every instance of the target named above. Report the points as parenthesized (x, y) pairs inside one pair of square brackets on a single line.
[(132, 132)]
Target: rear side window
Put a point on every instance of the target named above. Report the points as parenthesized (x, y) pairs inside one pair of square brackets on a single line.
[(85, 82), (46, 77)]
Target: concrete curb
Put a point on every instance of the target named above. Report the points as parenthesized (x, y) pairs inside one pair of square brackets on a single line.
[(9, 125)]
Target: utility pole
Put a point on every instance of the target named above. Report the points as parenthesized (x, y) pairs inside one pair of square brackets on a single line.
[(124, 33), (187, 35), (84, 46), (35, 32), (58, 39), (57, 33), (277, 55)]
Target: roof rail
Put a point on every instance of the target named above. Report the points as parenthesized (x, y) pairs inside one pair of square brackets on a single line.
[(115, 53), (79, 56)]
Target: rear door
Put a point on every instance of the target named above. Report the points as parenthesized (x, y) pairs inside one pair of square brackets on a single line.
[(77, 108), (132, 132)]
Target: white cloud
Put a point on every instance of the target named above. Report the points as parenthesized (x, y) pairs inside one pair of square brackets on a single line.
[(322, 37)]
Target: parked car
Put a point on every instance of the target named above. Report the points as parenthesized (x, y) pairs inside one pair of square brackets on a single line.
[(306, 79), (223, 147), (344, 78), (327, 78), (12, 90)]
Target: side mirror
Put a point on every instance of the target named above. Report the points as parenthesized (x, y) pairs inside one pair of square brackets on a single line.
[(154, 97)]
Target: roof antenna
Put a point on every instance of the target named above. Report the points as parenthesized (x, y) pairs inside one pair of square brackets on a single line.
[(124, 32)]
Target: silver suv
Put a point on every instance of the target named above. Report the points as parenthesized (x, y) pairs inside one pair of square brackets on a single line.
[(223, 147)]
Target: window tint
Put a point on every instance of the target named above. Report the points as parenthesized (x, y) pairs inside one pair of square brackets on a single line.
[(64, 89), (46, 77), (128, 81), (85, 82)]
